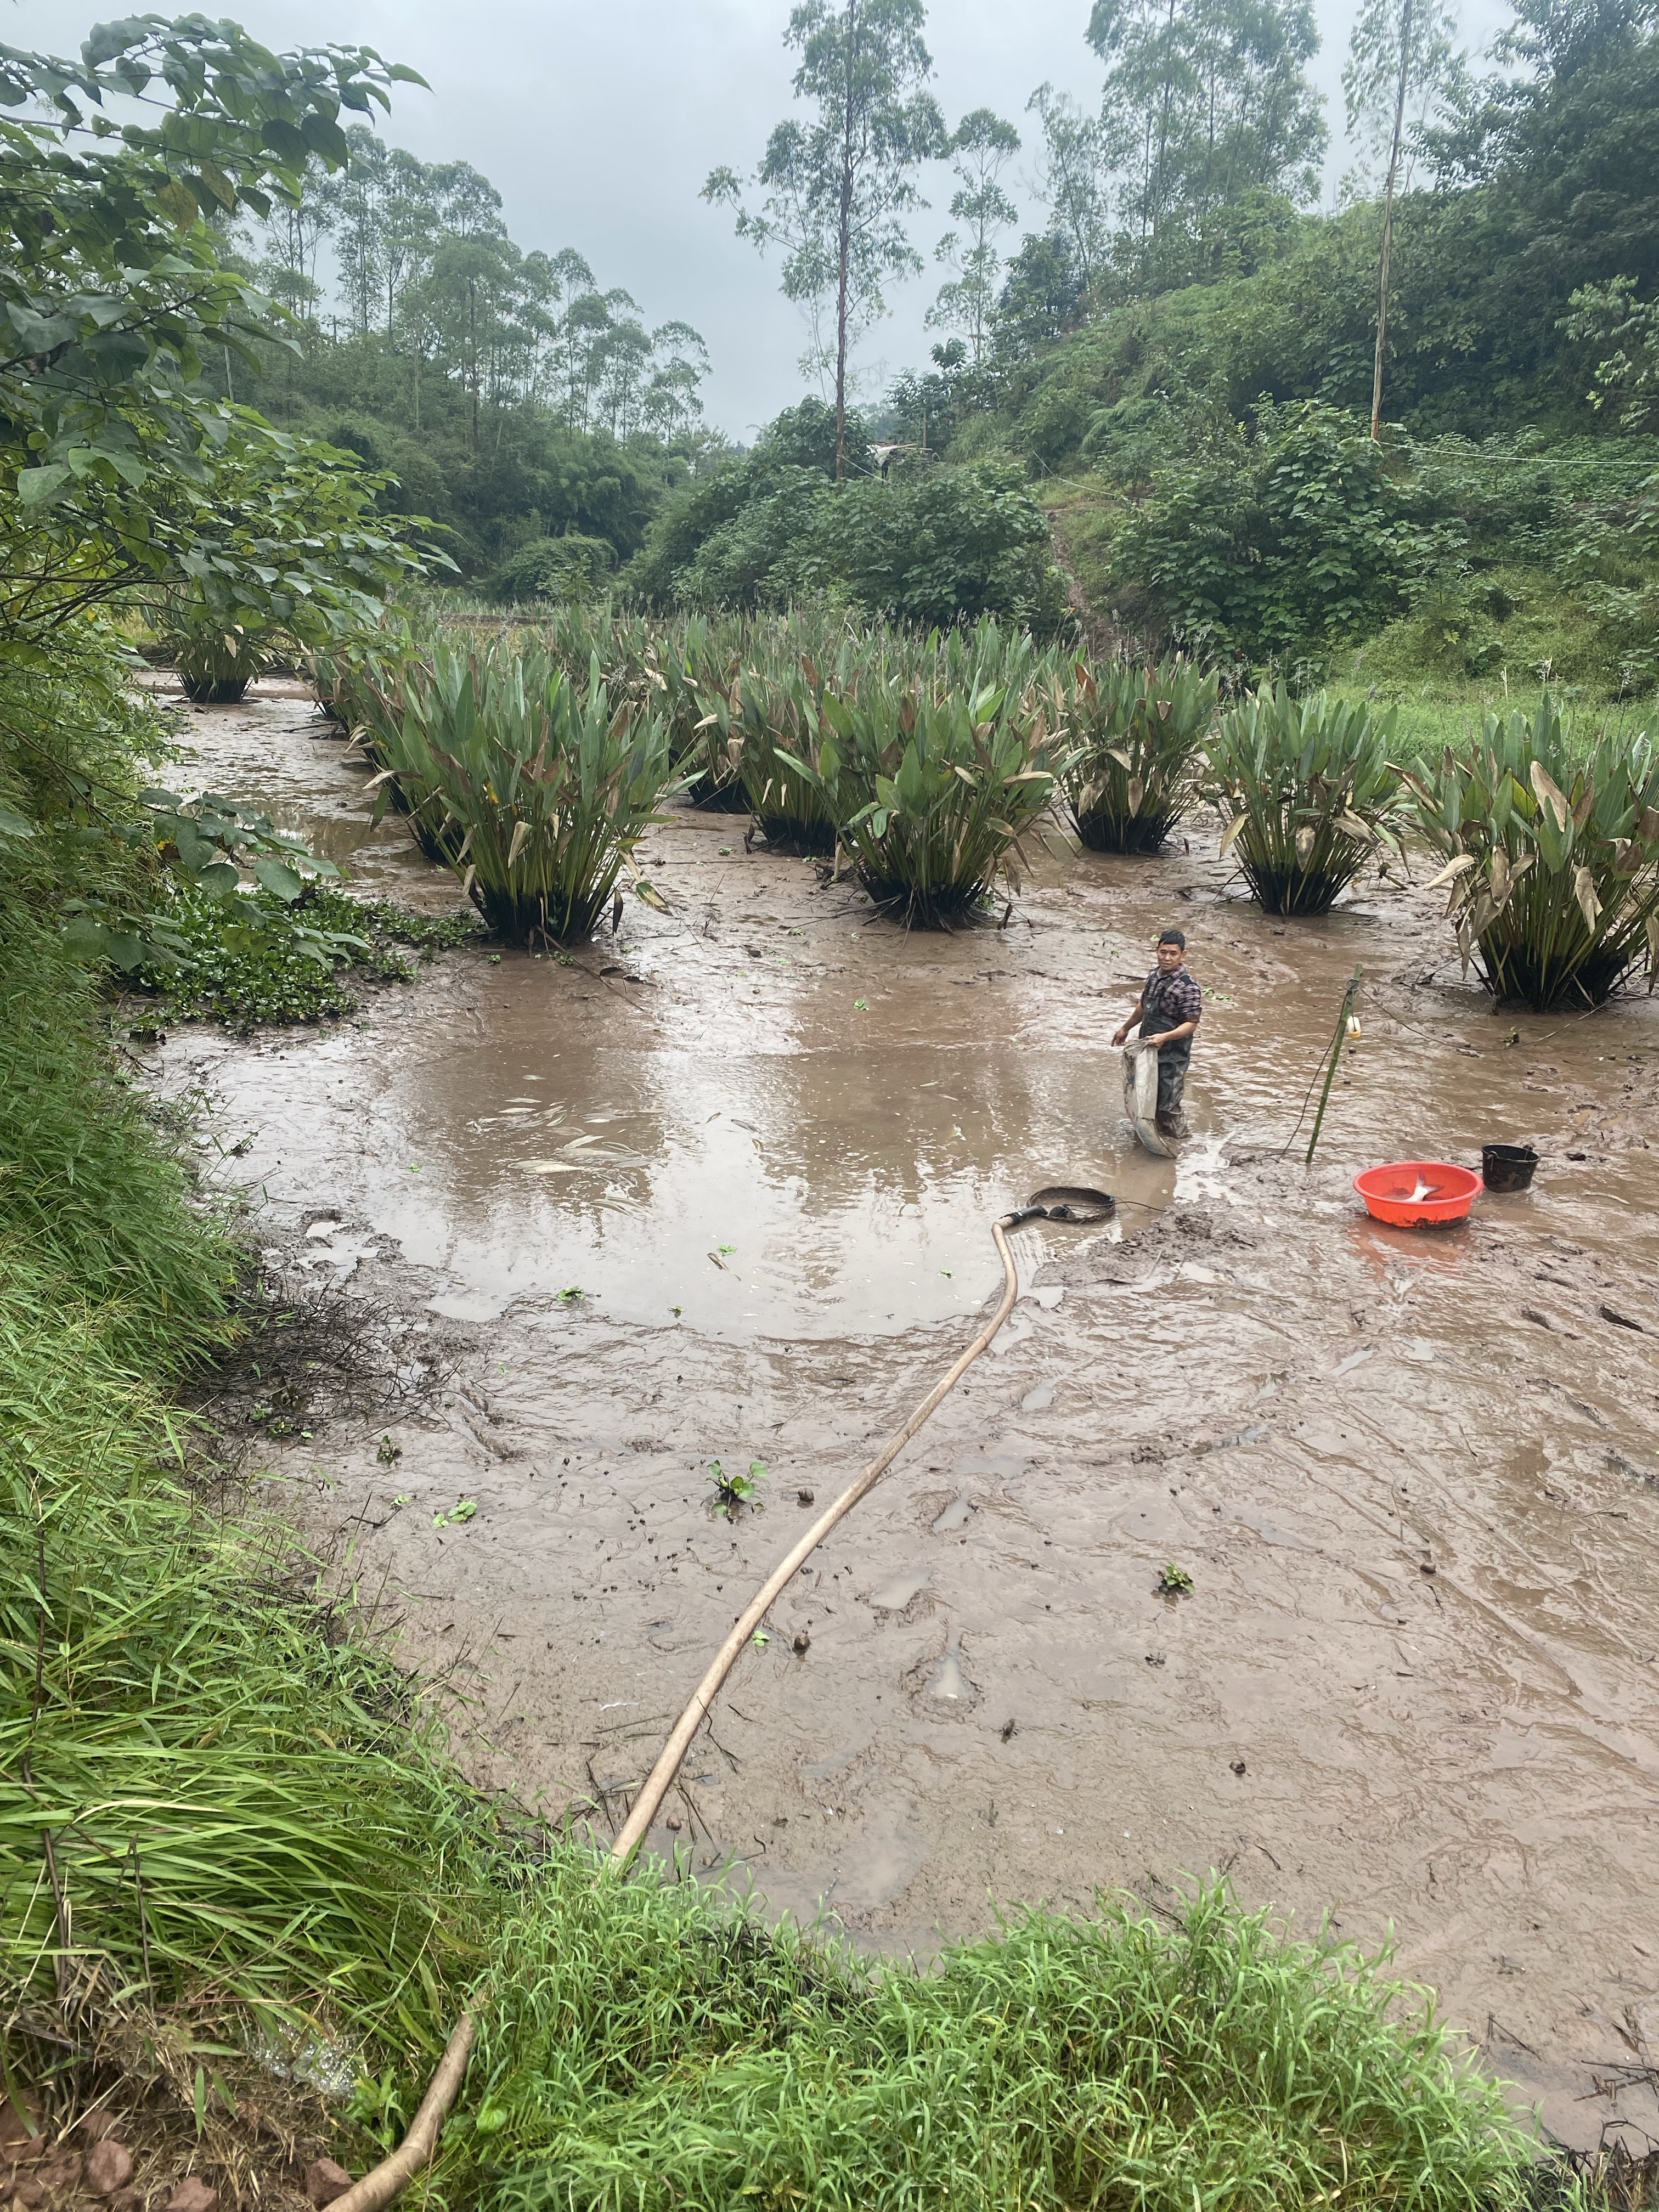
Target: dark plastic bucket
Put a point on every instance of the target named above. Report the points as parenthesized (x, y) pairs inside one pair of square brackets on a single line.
[(1507, 1167)]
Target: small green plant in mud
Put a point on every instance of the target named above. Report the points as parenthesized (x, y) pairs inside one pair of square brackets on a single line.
[(1308, 792), (1138, 731), (1552, 855), (733, 1490), (256, 957), (1174, 1581)]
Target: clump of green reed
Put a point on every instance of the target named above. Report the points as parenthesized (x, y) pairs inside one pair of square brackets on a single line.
[(1139, 732), (932, 793), (1308, 792), (649, 2048), (534, 790), (1552, 858), (206, 1801)]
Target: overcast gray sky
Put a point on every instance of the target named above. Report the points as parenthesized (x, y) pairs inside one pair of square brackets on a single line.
[(598, 120)]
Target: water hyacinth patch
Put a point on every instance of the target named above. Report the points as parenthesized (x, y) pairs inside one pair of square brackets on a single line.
[(540, 791), (1138, 731), (1309, 792), (1552, 861)]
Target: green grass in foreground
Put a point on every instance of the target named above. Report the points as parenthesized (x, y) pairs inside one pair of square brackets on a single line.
[(649, 2053)]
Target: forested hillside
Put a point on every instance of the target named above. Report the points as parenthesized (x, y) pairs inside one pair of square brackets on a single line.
[(517, 402), (1180, 362), (1176, 366)]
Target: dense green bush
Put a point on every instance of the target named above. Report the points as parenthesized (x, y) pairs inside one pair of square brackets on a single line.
[(1270, 544), (933, 545), (567, 567)]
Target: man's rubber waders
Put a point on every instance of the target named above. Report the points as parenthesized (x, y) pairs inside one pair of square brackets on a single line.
[(1141, 1097)]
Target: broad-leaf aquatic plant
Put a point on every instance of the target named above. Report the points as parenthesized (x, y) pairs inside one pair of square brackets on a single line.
[(1552, 858), (534, 790), (934, 793), (1309, 792), (1139, 731)]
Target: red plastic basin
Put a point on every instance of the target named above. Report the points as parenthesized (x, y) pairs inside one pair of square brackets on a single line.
[(1417, 1194)]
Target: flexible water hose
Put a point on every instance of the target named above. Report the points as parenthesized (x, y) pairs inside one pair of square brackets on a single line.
[(660, 1779), (393, 2175)]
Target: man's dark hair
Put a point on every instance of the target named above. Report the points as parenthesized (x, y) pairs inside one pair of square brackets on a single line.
[(1173, 937)]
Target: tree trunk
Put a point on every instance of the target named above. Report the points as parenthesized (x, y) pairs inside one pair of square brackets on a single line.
[(472, 353), (1387, 219), (1163, 122), (844, 240)]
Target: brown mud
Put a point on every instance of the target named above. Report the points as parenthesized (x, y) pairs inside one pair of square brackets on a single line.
[(721, 1189)]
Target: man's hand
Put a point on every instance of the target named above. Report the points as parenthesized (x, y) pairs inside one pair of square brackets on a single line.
[(1121, 1035), (1163, 1039)]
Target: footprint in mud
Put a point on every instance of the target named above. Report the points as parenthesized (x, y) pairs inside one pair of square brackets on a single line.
[(939, 1684), (956, 1514), (906, 1598)]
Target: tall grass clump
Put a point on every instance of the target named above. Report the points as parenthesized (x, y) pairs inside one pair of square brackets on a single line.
[(1553, 857), (82, 1183), (208, 1805), (1308, 792), (933, 794), (649, 2052), (535, 789), (1139, 732)]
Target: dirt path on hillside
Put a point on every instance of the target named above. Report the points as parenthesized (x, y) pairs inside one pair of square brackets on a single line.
[(1414, 1477)]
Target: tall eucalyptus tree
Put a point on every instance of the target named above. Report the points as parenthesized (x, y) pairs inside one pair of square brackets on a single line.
[(836, 187), (982, 147)]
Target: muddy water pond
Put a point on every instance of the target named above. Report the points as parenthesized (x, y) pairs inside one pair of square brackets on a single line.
[(720, 1188)]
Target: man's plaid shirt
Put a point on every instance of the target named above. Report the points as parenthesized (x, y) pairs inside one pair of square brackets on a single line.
[(1166, 1001)]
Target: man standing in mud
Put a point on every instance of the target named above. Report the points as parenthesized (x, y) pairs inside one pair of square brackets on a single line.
[(1168, 1011)]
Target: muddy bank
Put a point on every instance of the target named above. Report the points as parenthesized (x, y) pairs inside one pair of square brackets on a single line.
[(720, 1188)]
